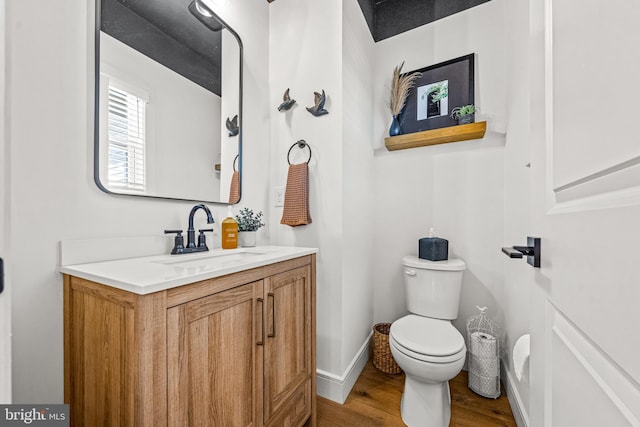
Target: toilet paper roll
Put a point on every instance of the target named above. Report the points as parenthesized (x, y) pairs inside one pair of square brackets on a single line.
[(484, 365), (521, 352), (484, 351)]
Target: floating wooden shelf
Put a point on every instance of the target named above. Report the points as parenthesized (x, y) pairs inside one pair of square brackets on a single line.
[(436, 136)]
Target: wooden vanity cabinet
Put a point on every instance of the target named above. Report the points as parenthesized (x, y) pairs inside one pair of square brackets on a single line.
[(288, 368), (213, 360), (237, 350)]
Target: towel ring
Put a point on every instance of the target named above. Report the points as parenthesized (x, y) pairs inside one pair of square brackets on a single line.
[(234, 162), (301, 144)]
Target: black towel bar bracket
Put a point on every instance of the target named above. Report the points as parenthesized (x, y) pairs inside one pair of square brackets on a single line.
[(301, 144), (531, 251), (235, 161)]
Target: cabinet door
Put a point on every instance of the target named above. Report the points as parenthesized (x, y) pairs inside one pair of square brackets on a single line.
[(214, 359), (287, 365)]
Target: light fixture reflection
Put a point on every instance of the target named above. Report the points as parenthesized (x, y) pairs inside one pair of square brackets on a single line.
[(202, 9), (205, 15)]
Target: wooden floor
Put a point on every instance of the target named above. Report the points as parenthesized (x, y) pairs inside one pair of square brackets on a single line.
[(375, 401)]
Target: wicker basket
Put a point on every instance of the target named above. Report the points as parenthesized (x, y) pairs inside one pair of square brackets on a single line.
[(382, 358)]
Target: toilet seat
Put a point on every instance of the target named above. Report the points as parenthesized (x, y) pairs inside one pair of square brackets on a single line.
[(427, 339), (427, 358)]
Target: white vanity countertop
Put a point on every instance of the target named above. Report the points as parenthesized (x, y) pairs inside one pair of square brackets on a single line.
[(149, 274)]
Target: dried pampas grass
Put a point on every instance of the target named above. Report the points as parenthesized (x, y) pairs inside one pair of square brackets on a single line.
[(400, 85)]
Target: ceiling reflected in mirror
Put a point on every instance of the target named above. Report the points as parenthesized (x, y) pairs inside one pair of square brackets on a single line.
[(168, 76), (165, 31)]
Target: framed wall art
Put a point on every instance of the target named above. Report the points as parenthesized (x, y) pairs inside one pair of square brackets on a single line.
[(441, 88)]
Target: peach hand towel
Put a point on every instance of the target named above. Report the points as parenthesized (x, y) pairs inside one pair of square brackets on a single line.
[(296, 197), (234, 188)]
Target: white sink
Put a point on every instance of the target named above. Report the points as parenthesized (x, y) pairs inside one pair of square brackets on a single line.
[(213, 259)]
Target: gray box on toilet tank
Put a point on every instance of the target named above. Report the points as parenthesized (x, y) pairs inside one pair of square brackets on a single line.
[(433, 249)]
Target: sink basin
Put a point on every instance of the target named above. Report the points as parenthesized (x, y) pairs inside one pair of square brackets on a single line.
[(214, 259)]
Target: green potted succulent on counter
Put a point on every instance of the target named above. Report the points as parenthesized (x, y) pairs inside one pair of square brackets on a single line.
[(465, 114), (248, 225)]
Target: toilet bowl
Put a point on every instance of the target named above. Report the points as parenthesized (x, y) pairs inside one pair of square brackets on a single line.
[(425, 344), (429, 363)]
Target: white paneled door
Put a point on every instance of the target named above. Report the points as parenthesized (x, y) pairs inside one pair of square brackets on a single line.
[(5, 302), (585, 362)]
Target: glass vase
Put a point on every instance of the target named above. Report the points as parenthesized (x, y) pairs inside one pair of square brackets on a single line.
[(395, 127)]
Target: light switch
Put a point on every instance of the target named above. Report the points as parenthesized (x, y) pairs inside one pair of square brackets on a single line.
[(278, 196)]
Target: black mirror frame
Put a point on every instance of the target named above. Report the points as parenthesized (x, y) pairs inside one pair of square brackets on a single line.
[(96, 112)]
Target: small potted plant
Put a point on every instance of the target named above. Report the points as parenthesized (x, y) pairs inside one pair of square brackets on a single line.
[(248, 224), (464, 114)]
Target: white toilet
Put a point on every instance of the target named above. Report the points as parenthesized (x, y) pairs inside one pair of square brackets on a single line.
[(425, 344)]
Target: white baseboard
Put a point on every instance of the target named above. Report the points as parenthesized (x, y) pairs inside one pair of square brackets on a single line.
[(337, 388), (520, 414)]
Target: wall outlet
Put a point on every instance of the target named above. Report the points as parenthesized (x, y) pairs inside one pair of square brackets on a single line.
[(278, 196)]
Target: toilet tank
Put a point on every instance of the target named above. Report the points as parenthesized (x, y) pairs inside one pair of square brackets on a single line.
[(433, 287)]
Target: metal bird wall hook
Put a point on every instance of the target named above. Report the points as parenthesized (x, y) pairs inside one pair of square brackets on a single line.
[(232, 126), (287, 102), (318, 108)]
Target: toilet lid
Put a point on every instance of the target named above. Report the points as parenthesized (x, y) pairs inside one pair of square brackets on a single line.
[(423, 335), (451, 264)]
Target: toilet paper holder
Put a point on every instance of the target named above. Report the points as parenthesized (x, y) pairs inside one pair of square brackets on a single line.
[(532, 251)]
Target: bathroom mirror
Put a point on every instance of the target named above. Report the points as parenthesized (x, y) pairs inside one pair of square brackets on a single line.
[(168, 100)]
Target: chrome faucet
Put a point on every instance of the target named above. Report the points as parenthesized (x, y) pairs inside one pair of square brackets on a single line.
[(179, 247)]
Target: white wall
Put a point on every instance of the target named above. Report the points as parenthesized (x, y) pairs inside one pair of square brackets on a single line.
[(516, 296), (403, 213), (457, 188), (307, 59), (5, 297), (358, 181), (319, 45), (53, 197)]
